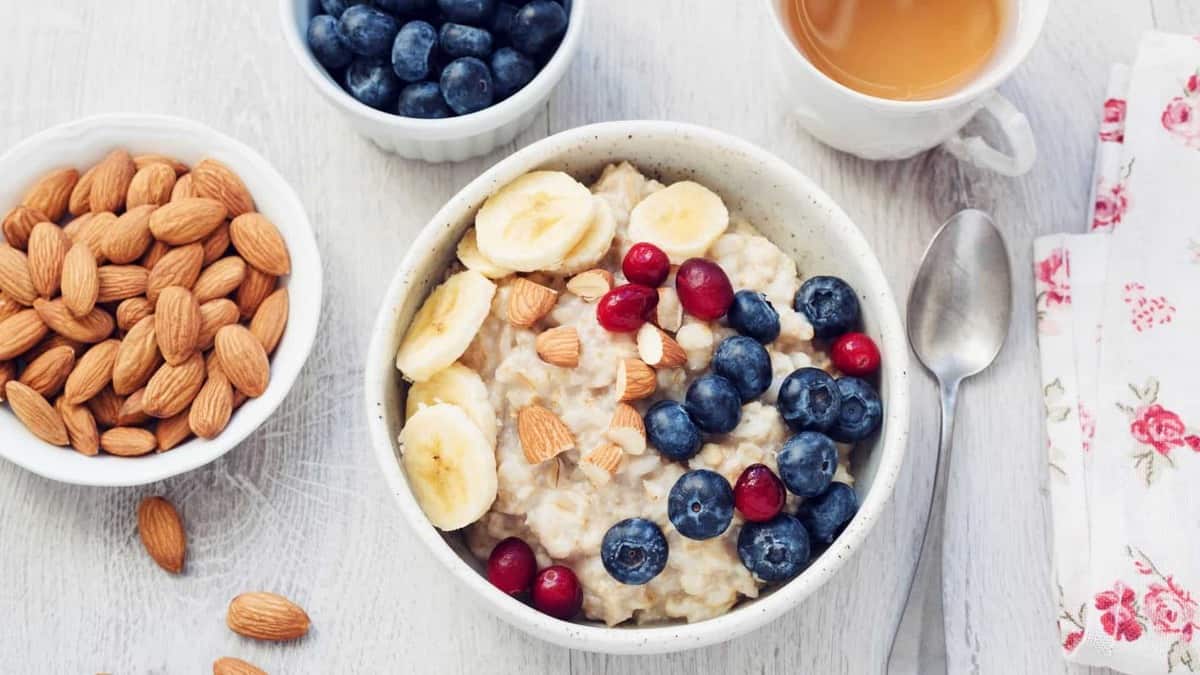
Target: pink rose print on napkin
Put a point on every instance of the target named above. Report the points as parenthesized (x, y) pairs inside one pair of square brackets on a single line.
[(1120, 616), (1087, 427), (1054, 277), (1112, 127), (1156, 430), (1170, 609), (1181, 117), (1147, 312), (1112, 201)]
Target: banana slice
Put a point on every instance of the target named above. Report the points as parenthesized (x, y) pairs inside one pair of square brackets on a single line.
[(450, 466), (683, 220), (594, 245), (533, 222), (445, 325), (469, 255), (458, 385)]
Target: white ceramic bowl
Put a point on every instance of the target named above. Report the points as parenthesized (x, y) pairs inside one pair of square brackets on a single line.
[(789, 209), (446, 140), (82, 144)]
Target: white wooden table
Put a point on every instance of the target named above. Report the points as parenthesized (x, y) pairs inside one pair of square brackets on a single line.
[(299, 508)]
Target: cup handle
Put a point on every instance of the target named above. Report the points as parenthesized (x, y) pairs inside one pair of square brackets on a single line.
[(1016, 129)]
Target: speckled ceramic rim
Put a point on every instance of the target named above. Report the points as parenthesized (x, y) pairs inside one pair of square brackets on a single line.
[(437, 238)]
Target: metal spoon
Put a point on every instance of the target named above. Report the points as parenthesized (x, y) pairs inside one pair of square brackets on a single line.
[(958, 315)]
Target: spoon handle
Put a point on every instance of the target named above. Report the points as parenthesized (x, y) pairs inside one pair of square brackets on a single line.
[(919, 646)]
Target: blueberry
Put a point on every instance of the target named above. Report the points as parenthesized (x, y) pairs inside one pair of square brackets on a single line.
[(809, 400), (744, 362), (752, 315), (775, 550), (373, 82), (830, 305), (714, 404), (456, 40), (336, 8), (467, 85), (824, 516), (404, 6), (701, 504), (511, 70), (424, 100), (502, 19), (368, 31), (327, 44), (634, 551), (412, 51), (807, 462), (861, 411), (474, 12), (537, 25), (670, 428)]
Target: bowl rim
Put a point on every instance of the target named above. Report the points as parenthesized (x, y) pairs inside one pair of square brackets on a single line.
[(195, 452), (491, 117), (657, 638)]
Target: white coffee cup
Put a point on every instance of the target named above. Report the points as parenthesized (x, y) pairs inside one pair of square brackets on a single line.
[(879, 128)]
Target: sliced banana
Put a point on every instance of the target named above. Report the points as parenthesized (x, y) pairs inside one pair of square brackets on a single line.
[(683, 219), (458, 385), (533, 222), (594, 245), (451, 467), (469, 256), (445, 325)]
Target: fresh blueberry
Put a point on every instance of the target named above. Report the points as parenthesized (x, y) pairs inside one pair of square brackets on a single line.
[(404, 6), (412, 51), (502, 19), (456, 40), (373, 82), (475, 12), (775, 550), (701, 504), (327, 44), (336, 8), (830, 305), (537, 25), (751, 314), (714, 404), (511, 70), (861, 411), (807, 462), (424, 100), (368, 31), (467, 85), (634, 551), (744, 362), (670, 428), (824, 516), (809, 400)]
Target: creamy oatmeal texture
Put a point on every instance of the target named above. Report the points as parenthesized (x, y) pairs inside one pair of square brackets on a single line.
[(562, 512)]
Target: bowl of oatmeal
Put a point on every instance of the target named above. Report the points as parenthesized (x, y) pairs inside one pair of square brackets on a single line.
[(576, 399)]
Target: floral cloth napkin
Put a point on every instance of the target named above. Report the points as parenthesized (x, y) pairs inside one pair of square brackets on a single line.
[(1118, 326)]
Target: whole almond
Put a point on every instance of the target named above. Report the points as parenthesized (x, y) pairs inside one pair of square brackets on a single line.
[(152, 185), (528, 302), (220, 279), (216, 244), (129, 237), (215, 315), (266, 616), (258, 241), (47, 250), (88, 329), (71, 229), (15, 279), (179, 267), (254, 289), (183, 188), (243, 360), (106, 407), (94, 231), (212, 407), (19, 223), (92, 373), (51, 193), (271, 319), (119, 282), (36, 413), (162, 533), (137, 357), (8, 306), (81, 426), (53, 341), (48, 372), (171, 389), (131, 311), (79, 202), (132, 412), (559, 346), (144, 160), (227, 665), (172, 431), (186, 220), (176, 324), (80, 280), (20, 332), (110, 183), (8, 371), (127, 441), (155, 253), (211, 178)]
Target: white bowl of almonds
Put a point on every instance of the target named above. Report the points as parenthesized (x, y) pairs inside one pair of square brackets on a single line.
[(159, 292)]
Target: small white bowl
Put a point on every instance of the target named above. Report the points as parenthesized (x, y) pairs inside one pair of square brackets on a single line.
[(790, 210), (82, 144), (443, 140)]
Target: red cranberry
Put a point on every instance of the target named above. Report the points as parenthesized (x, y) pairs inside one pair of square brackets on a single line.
[(855, 354), (625, 308), (557, 592), (759, 493), (512, 566), (646, 264), (704, 289)]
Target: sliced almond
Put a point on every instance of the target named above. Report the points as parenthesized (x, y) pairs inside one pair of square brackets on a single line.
[(559, 346), (243, 360), (183, 188), (259, 242), (216, 245), (80, 280), (228, 665), (177, 324), (18, 223), (79, 202), (162, 533), (213, 406), (211, 178), (528, 302), (144, 160), (127, 441), (15, 279), (110, 182), (178, 267), (20, 332), (48, 372), (254, 289), (658, 349), (137, 357), (635, 380), (171, 389), (668, 314), (131, 311), (8, 306), (81, 426), (591, 285), (151, 185), (602, 463), (186, 220), (542, 434), (215, 315), (106, 407), (627, 429), (133, 411), (172, 431), (120, 282), (36, 413), (155, 253), (129, 236), (220, 279), (266, 616), (52, 192), (92, 373), (271, 319), (47, 250)]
